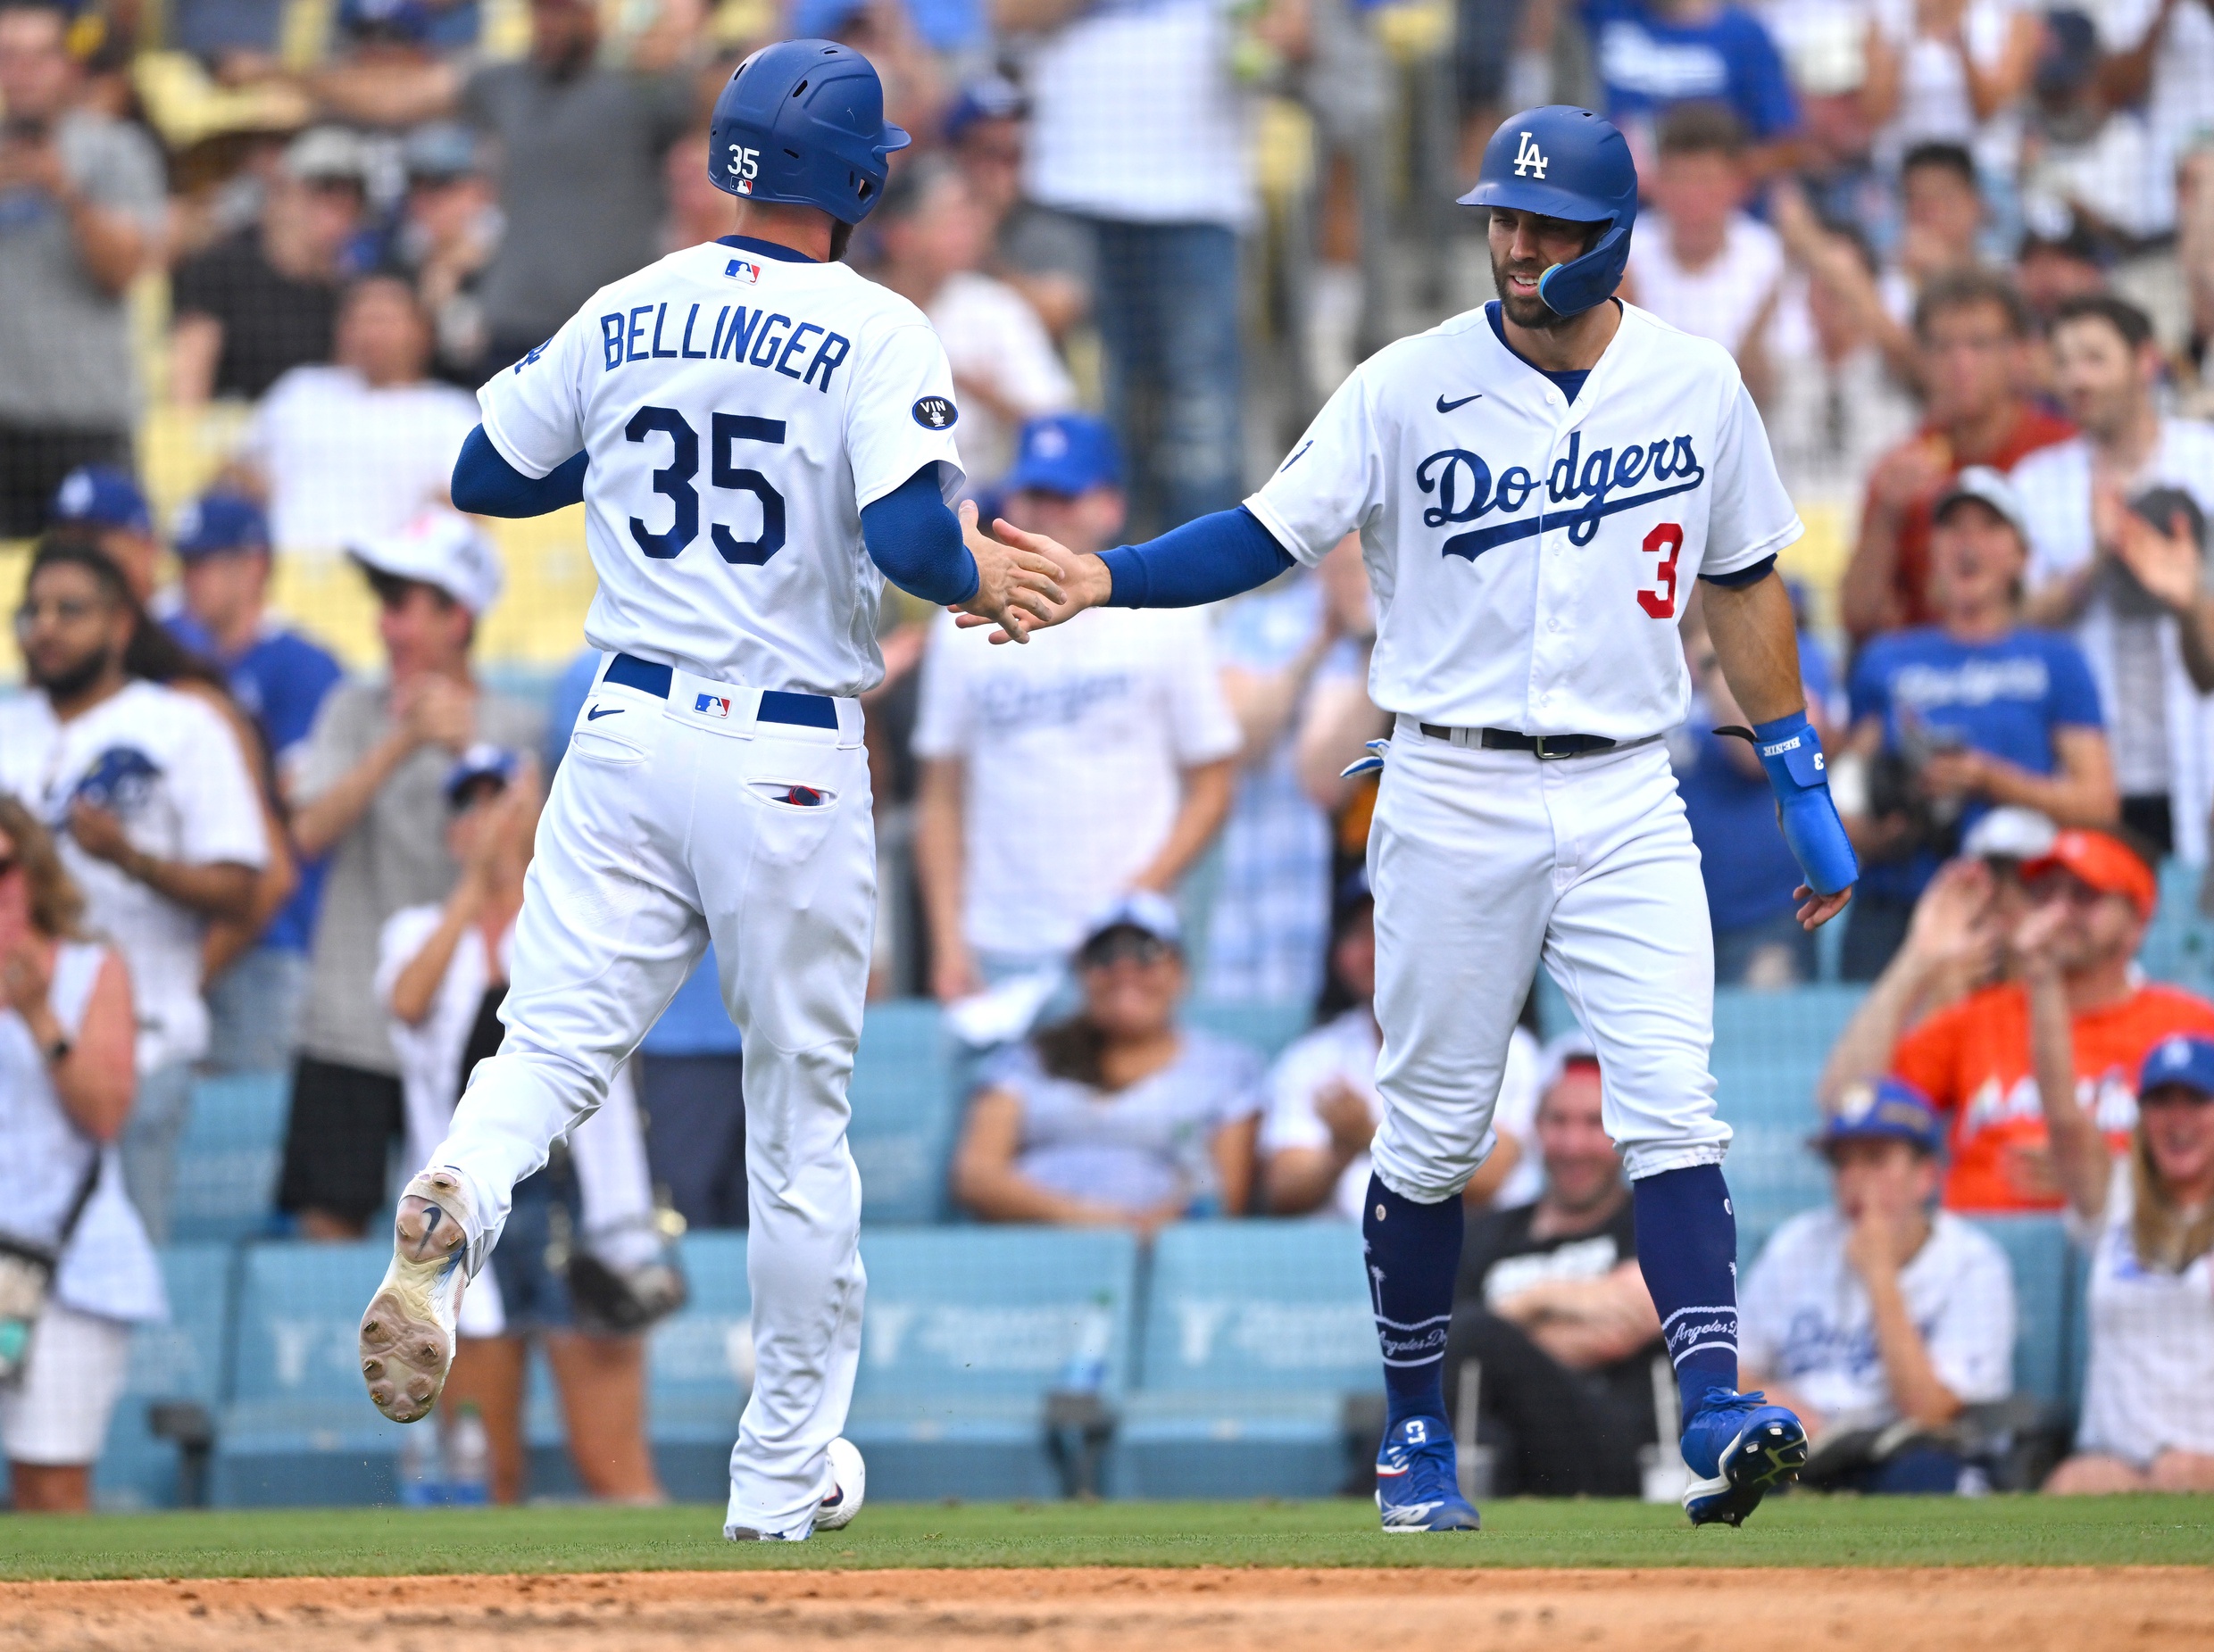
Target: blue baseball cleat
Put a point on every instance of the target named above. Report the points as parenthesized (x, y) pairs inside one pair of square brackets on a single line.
[(1417, 1489), (1738, 1451)]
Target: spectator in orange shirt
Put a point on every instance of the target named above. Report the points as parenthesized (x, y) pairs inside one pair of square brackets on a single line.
[(1972, 332), (1974, 1058)]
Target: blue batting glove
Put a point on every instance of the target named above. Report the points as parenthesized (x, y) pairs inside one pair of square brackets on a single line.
[(1792, 752)]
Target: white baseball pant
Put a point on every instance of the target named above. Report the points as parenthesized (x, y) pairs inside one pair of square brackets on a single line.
[(671, 821), (1484, 864)]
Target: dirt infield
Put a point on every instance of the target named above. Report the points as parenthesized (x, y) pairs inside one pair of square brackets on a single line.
[(1195, 1610)]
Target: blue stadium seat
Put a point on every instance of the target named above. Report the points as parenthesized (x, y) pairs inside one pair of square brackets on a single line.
[(906, 1104), (699, 1366), (1268, 1027), (1254, 1334), (2044, 1302), (182, 1361), (967, 1330), (298, 1428), (228, 1160), (2179, 943)]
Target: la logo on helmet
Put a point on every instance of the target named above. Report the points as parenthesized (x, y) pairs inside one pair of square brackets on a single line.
[(1529, 159)]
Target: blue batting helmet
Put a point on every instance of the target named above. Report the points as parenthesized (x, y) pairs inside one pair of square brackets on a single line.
[(801, 122), (1562, 161)]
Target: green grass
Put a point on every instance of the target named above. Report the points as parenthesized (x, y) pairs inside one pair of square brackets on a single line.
[(1798, 1530)]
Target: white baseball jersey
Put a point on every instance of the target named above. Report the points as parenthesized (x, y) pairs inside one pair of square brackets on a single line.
[(167, 766), (1531, 555), (1804, 1318), (739, 408)]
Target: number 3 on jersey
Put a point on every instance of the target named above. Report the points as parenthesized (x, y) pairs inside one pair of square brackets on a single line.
[(674, 482), (1667, 541)]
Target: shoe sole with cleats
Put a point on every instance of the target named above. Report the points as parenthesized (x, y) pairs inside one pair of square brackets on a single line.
[(407, 1334), (1751, 1467)]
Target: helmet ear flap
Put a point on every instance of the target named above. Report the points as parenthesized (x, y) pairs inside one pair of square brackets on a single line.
[(1573, 287)]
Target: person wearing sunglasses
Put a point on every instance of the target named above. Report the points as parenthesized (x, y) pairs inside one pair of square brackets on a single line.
[(66, 1082), (2145, 1213), (1117, 1117)]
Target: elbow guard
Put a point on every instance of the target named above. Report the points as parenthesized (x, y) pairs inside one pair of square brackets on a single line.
[(1791, 752)]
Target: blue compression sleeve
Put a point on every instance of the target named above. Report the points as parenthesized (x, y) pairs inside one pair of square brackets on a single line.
[(916, 541), (1208, 558), (488, 484)]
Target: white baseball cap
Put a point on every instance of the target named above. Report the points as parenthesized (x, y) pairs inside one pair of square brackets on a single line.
[(2010, 834), (1562, 1053), (439, 548)]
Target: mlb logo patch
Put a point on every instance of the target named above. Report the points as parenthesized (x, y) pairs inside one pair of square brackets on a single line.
[(742, 270), (713, 705)]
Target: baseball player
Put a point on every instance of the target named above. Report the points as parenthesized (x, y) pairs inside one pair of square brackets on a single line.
[(759, 436), (1537, 483)]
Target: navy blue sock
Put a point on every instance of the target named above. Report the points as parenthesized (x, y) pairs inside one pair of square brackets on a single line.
[(1413, 1253), (1687, 1250)]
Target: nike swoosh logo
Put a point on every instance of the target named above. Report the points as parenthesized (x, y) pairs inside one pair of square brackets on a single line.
[(598, 712), (1443, 406)]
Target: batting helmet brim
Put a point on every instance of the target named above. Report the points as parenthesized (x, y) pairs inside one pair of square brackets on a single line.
[(1522, 195)]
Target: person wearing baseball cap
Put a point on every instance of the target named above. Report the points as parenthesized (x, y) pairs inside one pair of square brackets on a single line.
[(1952, 720), (1880, 1318), (369, 792), (2073, 985), (2144, 1214), (1118, 1116), (106, 503), (1053, 778), (279, 677)]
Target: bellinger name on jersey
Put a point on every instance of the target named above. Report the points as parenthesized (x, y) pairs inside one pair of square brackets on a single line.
[(754, 337)]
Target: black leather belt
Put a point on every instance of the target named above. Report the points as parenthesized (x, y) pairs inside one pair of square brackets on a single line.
[(1545, 748), (777, 705)]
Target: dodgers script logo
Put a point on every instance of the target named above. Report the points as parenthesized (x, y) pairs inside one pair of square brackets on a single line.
[(1462, 483), (1529, 159), (713, 705)]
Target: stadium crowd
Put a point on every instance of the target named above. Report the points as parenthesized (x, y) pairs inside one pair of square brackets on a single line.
[(1963, 250)]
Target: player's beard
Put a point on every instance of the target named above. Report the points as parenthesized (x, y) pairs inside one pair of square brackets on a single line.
[(1532, 313)]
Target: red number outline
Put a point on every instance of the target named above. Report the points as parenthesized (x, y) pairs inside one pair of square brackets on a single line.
[(1668, 537)]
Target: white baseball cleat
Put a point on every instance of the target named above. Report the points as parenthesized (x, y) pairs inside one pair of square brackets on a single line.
[(407, 1334), (849, 1485)]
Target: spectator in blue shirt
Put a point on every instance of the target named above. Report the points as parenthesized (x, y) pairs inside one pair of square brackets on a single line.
[(1653, 55), (1748, 869), (1954, 719), (278, 679)]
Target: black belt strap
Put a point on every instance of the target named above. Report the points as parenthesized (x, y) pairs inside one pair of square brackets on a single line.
[(1545, 747)]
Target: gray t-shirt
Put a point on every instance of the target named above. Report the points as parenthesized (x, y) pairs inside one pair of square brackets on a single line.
[(1137, 1147), (580, 184), (65, 340), (395, 856)]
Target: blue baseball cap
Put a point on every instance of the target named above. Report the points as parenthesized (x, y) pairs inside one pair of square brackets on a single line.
[(993, 97), (1064, 454), (219, 521), (2187, 1060), (1888, 1110), (102, 496), (479, 762)]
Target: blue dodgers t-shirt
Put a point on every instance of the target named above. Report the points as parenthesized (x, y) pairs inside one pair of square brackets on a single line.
[(1647, 64), (2006, 697), (280, 682)]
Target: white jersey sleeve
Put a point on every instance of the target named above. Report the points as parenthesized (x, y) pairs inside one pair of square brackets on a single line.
[(1752, 515), (942, 724), (1204, 728), (534, 411), (1970, 1337), (219, 805), (900, 414), (1333, 482)]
